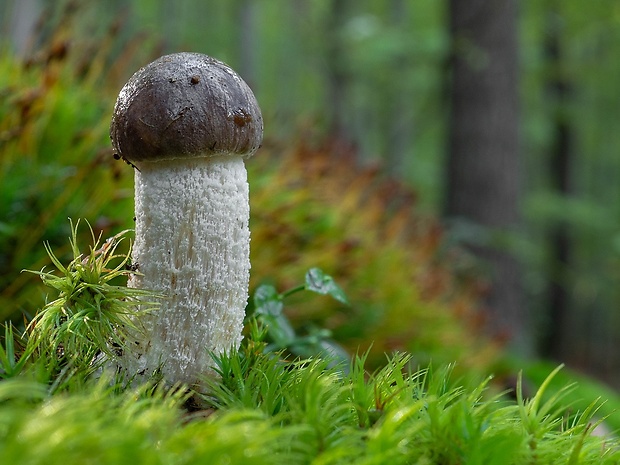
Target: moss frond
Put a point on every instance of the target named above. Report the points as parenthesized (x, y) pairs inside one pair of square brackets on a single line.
[(90, 315)]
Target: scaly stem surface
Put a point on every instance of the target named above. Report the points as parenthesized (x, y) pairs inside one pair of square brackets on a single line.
[(192, 246)]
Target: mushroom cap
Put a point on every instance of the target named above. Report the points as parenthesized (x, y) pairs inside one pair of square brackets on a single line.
[(185, 105)]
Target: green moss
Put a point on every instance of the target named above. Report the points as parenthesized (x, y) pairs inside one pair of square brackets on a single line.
[(323, 416), (263, 407)]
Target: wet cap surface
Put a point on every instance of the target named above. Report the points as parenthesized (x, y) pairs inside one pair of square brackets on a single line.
[(185, 105)]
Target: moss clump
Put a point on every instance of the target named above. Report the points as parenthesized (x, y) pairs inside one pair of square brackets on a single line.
[(265, 410)]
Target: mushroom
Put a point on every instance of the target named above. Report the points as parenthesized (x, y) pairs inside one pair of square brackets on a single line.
[(186, 122)]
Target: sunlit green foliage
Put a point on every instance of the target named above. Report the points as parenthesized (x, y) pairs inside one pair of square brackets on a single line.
[(296, 413), (91, 315), (75, 334)]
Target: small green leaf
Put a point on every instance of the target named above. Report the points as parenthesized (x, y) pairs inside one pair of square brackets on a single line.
[(319, 282), (267, 301), (280, 330)]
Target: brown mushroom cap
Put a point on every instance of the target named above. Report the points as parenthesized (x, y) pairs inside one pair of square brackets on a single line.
[(185, 105)]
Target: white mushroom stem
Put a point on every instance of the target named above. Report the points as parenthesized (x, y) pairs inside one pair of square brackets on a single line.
[(192, 245)]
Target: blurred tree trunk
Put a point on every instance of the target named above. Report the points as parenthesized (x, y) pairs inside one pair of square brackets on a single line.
[(19, 19), (248, 38), (397, 125), (337, 73), (558, 90), (484, 169), (170, 27)]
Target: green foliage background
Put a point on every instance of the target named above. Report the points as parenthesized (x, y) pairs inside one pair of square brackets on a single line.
[(307, 211), (56, 161), (54, 164), (394, 64), (409, 289)]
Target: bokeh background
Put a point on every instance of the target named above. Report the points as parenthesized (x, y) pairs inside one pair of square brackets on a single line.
[(454, 164)]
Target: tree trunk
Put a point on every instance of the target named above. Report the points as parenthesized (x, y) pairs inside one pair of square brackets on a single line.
[(248, 39), (484, 172), (20, 21), (397, 124), (558, 89), (337, 73)]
